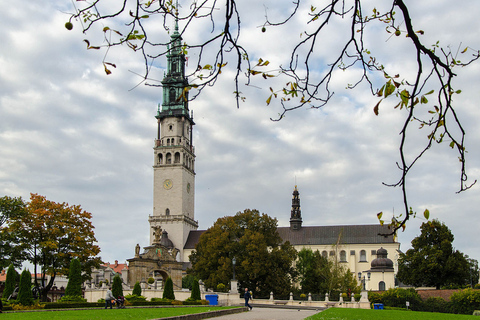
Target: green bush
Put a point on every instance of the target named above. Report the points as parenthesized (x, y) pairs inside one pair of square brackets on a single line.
[(117, 289), (398, 297), (168, 290), (151, 280), (465, 301), (25, 297), (137, 290), (74, 285), (220, 287), (357, 297), (437, 304), (134, 298), (162, 301), (195, 295), (72, 299)]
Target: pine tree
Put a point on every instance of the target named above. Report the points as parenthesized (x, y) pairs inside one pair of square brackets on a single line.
[(168, 290), (25, 291), (10, 282), (117, 289), (195, 290), (137, 290), (74, 286)]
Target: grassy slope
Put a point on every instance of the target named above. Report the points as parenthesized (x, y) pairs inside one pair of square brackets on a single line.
[(102, 314), (362, 314)]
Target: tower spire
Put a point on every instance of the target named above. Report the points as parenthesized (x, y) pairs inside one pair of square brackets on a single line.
[(296, 213)]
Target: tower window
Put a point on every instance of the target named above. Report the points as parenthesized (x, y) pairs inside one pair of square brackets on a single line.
[(173, 141), (177, 157), (167, 212), (168, 158), (160, 158), (172, 96), (168, 142)]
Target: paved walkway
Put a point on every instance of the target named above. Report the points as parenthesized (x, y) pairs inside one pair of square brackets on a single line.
[(269, 314)]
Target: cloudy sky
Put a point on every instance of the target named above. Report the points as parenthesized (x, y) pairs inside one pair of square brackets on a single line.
[(73, 134)]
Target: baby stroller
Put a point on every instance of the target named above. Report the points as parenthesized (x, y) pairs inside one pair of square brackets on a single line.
[(120, 302)]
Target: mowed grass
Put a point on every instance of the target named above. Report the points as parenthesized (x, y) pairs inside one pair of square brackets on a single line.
[(108, 314), (368, 314)]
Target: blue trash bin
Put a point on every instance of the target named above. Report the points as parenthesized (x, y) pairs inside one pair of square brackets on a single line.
[(378, 306), (212, 299)]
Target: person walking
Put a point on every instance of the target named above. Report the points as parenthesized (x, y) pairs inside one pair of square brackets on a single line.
[(247, 297), (108, 298)]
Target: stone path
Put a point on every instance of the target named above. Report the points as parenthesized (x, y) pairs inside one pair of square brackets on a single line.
[(270, 314)]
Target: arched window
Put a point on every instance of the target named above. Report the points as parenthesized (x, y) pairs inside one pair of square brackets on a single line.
[(343, 256), (160, 158), (381, 286), (173, 141), (168, 142), (363, 256), (177, 157), (167, 212), (324, 254), (168, 158), (172, 96)]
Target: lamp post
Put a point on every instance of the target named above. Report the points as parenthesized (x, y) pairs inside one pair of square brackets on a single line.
[(234, 261), (363, 280)]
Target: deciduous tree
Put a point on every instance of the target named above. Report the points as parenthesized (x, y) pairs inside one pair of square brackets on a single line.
[(12, 253), (433, 261), (424, 92), (264, 263), (52, 235)]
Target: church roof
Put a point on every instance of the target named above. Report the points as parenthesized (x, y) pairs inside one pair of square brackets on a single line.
[(321, 235)]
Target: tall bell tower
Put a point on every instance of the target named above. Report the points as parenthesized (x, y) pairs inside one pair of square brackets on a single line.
[(174, 155)]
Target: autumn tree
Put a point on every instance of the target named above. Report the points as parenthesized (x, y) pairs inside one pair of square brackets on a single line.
[(423, 93), (263, 262), (433, 261), (12, 252), (52, 235)]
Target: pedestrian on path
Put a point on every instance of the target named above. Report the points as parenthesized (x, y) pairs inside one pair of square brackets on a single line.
[(108, 298), (247, 297)]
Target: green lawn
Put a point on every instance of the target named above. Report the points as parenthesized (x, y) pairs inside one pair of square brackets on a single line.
[(114, 314), (366, 314)]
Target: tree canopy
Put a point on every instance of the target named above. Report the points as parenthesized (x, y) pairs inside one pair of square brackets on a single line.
[(433, 261), (423, 92), (52, 234), (263, 263), (12, 252)]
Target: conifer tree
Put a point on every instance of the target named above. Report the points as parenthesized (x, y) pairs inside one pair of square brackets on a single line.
[(195, 290), (10, 282), (74, 286), (25, 290), (117, 289), (137, 290), (168, 290)]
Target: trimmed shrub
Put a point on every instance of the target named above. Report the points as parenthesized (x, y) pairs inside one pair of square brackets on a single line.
[(25, 297), (195, 295), (137, 290), (74, 286), (72, 299), (168, 290), (134, 298), (357, 296), (151, 280), (10, 282), (437, 304), (398, 297), (220, 287), (117, 289)]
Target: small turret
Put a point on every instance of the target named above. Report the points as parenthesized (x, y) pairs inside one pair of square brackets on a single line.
[(296, 213)]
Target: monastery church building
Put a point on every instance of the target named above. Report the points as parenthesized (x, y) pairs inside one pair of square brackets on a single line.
[(173, 228)]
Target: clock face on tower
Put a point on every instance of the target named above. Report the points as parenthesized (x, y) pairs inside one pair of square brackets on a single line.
[(168, 184)]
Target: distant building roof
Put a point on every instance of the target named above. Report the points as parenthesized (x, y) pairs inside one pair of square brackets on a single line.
[(321, 235), (117, 267)]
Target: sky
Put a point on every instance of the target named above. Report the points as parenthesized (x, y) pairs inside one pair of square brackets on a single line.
[(72, 133)]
